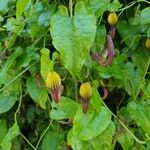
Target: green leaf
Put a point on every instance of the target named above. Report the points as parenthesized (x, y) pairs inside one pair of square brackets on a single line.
[(38, 94), (142, 55), (96, 99), (148, 32), (104, 140), (28, 55), (145, 88), (139, 111), (4, 6), (132, 39), (20, 7), (73, 36), (3, 129), (132, 80), (89, 125), (77, 144), (52, 140), (126, 140), (8, 64), (6, 102), (100, 6), (145, 16), (46, 63), (100, 38), (65, 109), (11, 41), (10, 135)]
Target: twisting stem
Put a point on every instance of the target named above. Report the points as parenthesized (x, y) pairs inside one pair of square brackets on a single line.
[(15, 117), (20, 101), (37, 145), (123, 125), (26, 140), (76, 88), (17, 76)]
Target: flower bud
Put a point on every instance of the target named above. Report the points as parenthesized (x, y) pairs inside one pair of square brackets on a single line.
[(53, 83), (148, 43), (53, 80), (85, 91), (112, 19)]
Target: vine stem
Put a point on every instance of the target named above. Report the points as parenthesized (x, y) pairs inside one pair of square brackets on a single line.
[(76, 87), (26, 140), (17, 76), (124, 126), (19, 105), (15, 118), (37, 145), (70, 7)]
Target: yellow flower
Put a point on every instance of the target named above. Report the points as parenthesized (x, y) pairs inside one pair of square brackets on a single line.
[(148, 43), (85, 91), (112, 19), (53, 80)]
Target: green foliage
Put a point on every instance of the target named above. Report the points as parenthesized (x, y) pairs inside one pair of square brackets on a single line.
[(37, 37)]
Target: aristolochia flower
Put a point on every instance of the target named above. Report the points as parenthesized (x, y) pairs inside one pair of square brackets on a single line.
[(85, 91), (112, 19), (53, 80), (148, 43), (53, 83)]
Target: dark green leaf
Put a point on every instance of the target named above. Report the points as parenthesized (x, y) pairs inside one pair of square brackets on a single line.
[(6, 102), (38, 94), (52, 141), (3, 129)]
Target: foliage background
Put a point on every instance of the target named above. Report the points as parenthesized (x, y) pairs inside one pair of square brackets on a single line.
[(39, 36)]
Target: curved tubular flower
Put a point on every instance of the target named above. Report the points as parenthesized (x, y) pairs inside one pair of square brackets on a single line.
[(109, 50), (53, 80), (148, 43), (112, 19), (53, 83), (85, 93)]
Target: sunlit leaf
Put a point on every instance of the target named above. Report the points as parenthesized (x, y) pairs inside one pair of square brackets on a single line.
[(46, 63), (10, 135), (145, 16), (89, 125), (73, 36), (66, 108), (20, 7)]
